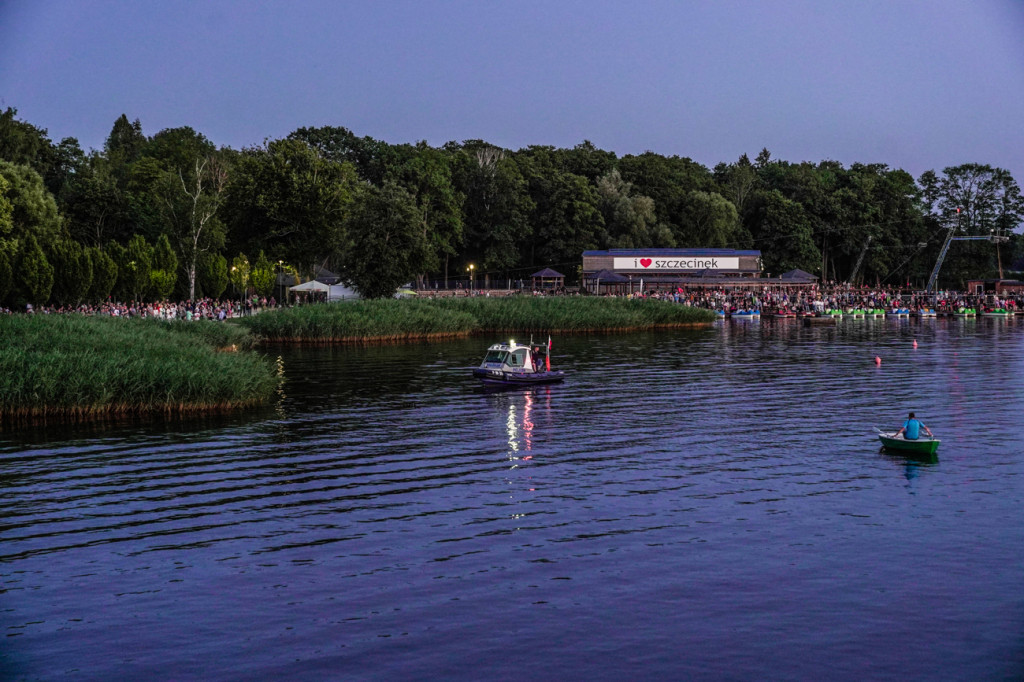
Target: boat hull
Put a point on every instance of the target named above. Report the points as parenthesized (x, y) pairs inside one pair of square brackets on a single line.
[(497, 377), (921, 446)]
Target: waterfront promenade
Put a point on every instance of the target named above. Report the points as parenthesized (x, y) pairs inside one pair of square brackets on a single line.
[(766, 298)]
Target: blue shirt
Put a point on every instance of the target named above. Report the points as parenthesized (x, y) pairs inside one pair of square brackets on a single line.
[(913, 429)]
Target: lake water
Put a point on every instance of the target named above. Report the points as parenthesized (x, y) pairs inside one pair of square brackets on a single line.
[(700, 504)]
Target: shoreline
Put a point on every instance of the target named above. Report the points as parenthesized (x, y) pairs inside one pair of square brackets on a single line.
[(416, 338)]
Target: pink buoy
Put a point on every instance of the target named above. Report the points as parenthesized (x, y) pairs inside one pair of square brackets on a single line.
[(915, 343), (878, 360)]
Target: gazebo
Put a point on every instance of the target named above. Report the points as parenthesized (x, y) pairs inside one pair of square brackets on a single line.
[(798, 277), (612, 281), (547, 279)]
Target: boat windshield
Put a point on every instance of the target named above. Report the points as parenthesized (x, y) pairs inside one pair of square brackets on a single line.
[(497, 356)]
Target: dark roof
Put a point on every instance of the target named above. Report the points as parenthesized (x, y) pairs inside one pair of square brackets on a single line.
[(671, 252), (326, 276), (798, 275), (547, 272), (608, 277)]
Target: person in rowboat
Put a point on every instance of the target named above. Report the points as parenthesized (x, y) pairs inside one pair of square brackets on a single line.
[(911, 429)]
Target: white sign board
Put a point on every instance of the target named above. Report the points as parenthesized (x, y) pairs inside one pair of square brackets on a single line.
[(662, 263)]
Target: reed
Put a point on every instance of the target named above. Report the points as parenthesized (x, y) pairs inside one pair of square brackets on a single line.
[(397, 320), (361, 321), (70, 367)]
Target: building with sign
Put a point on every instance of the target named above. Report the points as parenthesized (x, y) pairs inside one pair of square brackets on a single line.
[(627, 270)]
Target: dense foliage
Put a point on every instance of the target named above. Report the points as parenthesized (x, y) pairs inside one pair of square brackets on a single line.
[(396, 320), (61, 367), (172, 215)]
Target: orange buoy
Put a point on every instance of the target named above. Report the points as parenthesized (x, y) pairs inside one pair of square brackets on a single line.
[(915, 343), (878, 360)]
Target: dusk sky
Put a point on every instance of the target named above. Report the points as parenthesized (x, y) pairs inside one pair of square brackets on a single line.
[(915, 85)]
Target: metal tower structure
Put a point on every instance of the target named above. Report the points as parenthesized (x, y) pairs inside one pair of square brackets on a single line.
[(992, 237), (860, 261)]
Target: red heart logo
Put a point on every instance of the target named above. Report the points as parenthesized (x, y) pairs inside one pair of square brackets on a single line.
[(646, 262)]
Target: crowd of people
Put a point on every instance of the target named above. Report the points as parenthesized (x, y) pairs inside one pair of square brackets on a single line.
[(838, 297), (812, 298), (202, 309)]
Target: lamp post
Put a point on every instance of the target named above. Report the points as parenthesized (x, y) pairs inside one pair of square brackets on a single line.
[(280, 277), (233, 270), (471, 266)]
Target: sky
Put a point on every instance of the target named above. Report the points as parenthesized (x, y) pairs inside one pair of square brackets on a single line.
[(916, 85)]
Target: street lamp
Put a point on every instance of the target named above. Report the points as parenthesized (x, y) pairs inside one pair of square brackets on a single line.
[(233, 270), (280, 278), (471, 266)]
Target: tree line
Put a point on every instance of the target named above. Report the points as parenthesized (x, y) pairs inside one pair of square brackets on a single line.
[(174, 216)]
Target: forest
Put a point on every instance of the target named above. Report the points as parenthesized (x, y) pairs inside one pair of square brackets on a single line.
[(173, 216)]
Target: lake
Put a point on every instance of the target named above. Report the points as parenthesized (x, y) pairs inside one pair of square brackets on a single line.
[(700, 504)]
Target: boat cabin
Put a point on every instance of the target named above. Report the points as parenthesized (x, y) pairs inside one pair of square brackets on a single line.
[(512, 357)]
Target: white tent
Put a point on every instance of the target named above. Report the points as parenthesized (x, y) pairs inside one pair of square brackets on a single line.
[(311, 285), (335, 292)]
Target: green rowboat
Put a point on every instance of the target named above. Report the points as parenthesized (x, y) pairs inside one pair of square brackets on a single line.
[(921, 446)]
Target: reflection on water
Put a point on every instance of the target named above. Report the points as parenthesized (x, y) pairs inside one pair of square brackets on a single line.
[(706, 503)]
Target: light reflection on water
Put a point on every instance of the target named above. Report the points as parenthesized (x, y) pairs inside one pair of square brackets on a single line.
[(707, 503)]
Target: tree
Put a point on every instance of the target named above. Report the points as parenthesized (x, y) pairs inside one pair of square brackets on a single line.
[(785, 236), (587, 160), (95, 207), (125, 142), (263, 276), (574, 223), (21, 143), (104, 274), (630, 219), (34, 273), (737, 183), (72, 272), (976, 197), (975, 200), (239, 273), (388, 247), (666, 180), (290, 201), (8, 260), (177, 148), (497, 207), (32, 208), (6, 209), (372, 159), (164, 273), (213, 274), (427, 175), (190, 198), (708, 220), (134, 264)]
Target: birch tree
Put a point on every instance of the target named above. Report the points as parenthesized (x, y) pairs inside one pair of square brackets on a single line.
[(191, 198)]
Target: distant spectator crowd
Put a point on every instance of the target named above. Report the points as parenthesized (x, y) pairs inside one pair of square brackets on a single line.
[(202, 309), (768, 298)]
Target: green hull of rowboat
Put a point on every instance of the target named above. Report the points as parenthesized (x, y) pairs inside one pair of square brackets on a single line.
[(921, 446)]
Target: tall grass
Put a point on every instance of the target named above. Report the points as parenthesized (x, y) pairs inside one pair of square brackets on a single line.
[(70, 367), (353, 321), (395, 320)]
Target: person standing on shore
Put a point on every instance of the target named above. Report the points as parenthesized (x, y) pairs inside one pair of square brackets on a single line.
[(911, 429)]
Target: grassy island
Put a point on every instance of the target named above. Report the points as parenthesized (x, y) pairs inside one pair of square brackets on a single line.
[(399, 320), (72, 367)]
